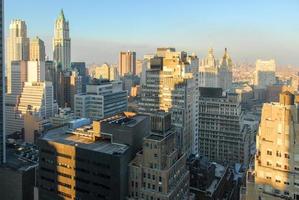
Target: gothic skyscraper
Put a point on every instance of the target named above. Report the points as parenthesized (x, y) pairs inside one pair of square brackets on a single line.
[(62, 42)]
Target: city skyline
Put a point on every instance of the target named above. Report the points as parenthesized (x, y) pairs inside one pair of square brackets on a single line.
[(269, 27)]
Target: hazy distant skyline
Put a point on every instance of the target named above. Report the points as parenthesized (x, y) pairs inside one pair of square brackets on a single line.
[(100, 29)]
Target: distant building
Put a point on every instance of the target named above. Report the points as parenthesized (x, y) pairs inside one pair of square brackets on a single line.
[(215, 74), (104, 71), (101, 100), (222, 136), (81, 68), (51, 75), (127, 63), (37, 50), (159, 170), (62, 43), (139, 64), (91, 162), (264, 74), (69, 83), (274, 174), (17, 48)]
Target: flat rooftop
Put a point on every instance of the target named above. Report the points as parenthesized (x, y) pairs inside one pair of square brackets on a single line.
[(21, 160), (60, 136), (125, 120)]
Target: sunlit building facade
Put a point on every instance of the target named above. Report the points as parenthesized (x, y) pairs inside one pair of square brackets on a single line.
[(275, 174)]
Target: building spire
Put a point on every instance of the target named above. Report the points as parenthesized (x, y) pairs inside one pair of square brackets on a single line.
[(61, 15)]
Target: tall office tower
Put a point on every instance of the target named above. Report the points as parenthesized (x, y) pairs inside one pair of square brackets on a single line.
[(127, 63), (2, 89), (37, 50), (159, 171), (62, 43), (276, 167), (168, 88), (51, 76), (69, 83), (223, 138), (17, 47), (81, 68), (264, 73), (37, 97), (92, 161), (13, 120), (215, 74), (102, 99), (36, 71)]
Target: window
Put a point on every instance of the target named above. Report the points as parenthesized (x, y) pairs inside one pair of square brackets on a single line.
[(269, 152)]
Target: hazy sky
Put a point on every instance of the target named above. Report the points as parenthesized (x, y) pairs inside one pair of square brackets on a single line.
[(100, 29)]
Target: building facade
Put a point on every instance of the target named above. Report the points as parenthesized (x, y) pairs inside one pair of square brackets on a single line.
[(101, 100), (167, 87), (13, 119), (127, 63), (17, 47), (264, 73), (275, 174), (37, 50), (213, 73), (62, 43), (92, 161), (222, 136), (159, 171)]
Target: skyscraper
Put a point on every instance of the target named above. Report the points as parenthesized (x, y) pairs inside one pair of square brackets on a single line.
[(2, 89), (62, 43), (37, 49), (18, 47), (275, 174), (127, 63), (167, 87)]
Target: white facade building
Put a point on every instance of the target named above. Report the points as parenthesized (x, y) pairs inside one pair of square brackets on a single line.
[(38, 97), (17, 47), (36, 71), (101, 100), (215, 74), (264, 73)]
